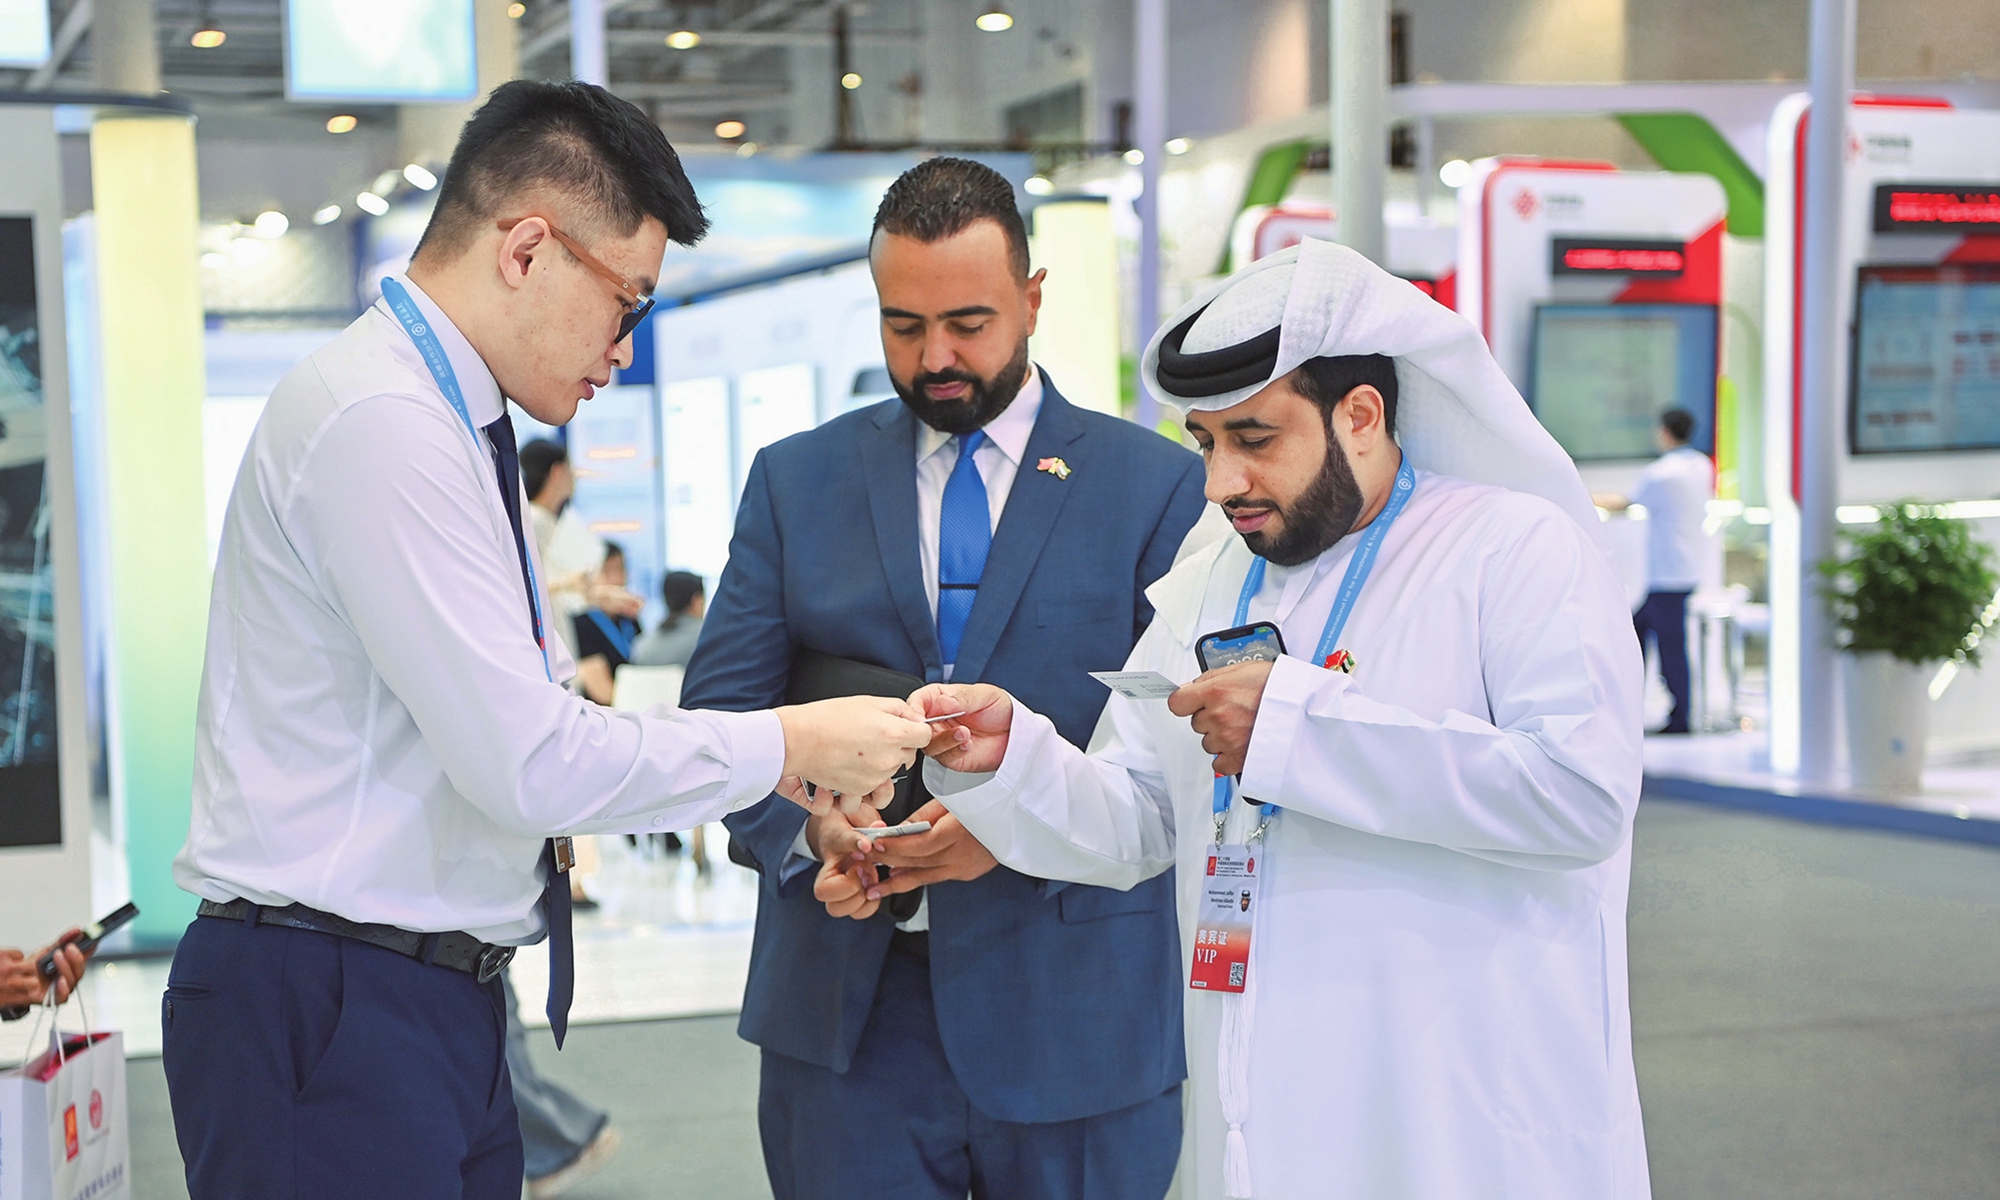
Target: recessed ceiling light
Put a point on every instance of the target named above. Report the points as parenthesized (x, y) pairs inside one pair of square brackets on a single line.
[(850, 81), (1179, 145), (271, 224), (341, 124), (683, 39), (1038, 185), (327, 215), (1135, 156), (1455, 174), (994, 20), (729, 129), (517, 10), (371, 204), (420, 177), (208, 38)]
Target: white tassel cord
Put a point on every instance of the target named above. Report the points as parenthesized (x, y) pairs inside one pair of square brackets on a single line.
[(1232, 1070)]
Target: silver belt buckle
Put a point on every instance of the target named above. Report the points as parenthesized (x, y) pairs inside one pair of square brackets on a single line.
[(492, 961)]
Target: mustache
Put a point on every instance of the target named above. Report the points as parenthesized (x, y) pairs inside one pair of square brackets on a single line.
[(932, 378)]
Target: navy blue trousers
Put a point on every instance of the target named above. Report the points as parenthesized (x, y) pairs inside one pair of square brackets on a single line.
[(1663, 617), (302, 1066), (897, 1126)]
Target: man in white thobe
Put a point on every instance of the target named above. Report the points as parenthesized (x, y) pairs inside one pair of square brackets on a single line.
[(1435, 1004)]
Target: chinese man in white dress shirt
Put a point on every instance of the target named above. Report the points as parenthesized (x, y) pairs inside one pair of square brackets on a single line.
[(1429, 795), (387, 756)]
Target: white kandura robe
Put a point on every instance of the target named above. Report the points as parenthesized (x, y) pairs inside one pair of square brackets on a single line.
[(1437, 1004)]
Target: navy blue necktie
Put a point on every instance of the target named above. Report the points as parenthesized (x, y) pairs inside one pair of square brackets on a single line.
[(555, 889), (965, 534)]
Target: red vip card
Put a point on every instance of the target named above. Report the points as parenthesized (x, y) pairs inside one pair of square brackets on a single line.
[(1228, 911)]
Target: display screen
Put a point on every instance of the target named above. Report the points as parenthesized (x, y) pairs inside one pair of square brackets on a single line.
[(380, 50), (1617, 256), (1937, 208), (24, 32), (1603, 374), (1926, 359)]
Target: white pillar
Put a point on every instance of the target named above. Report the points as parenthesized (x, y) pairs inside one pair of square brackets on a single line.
[(586, 42), (1358, 82), (1149, 122), (125, 47), (1820, 345)]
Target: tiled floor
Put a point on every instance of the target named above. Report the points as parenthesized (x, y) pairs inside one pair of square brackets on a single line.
[(668, 941)]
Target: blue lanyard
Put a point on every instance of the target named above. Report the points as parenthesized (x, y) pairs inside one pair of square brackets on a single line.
[(413, 322), (1358, 569), (613, 632)]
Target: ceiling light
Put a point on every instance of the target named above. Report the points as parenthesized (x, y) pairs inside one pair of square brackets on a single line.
[(327, 215), (994, 20), (1038, 185), (517, 10), (1179, 146), (729, 129), (385, 183), (746, 150), (271, 224), (420, 177), (1455, 174), (1135, 156), (207, 37), (850, 81), (341, 124), (371, 204), (683, 39)]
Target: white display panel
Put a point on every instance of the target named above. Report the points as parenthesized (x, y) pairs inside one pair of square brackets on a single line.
[(694, 460), (772, 403), (380, 50), (24, 33)]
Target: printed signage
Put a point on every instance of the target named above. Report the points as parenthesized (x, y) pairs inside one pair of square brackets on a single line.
[(1617, 256), (1937, 208)]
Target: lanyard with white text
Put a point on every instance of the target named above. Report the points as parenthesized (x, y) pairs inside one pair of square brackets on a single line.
[(1358, 569), (413, 322)]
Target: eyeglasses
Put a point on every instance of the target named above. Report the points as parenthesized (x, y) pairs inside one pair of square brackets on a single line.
[(637, 303)]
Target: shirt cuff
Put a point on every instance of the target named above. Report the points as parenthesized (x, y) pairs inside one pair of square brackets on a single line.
[(756, 745), (1291, 685)]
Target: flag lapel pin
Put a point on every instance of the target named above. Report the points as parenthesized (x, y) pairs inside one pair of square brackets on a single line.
[(1054, 466)]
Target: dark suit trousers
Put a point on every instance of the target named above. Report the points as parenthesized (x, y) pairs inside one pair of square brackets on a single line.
[(897, 1126), (1663, 617), (302, 1065)]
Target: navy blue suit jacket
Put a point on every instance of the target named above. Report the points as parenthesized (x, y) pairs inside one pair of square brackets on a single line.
[(1053, 1001)]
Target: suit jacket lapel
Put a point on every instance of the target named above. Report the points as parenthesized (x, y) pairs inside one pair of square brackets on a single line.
[(1032, 505), (888, 464)]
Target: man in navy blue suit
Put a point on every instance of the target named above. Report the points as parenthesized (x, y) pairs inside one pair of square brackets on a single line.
[(991, 1034)]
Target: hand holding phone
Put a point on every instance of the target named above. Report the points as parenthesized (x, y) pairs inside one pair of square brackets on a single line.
[(61, 965)]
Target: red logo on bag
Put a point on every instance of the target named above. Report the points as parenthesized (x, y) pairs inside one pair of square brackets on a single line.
[(69, 1131), (96, 1109)]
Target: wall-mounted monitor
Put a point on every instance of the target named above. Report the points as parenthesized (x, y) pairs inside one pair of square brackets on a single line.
[(380, 50), (1601, 375), (1926, 366)]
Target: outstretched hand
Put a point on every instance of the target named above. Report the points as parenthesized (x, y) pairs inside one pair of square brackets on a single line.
[(975, 740), (847, 751)]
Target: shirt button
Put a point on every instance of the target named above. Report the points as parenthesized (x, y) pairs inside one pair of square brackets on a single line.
[(659, 821)]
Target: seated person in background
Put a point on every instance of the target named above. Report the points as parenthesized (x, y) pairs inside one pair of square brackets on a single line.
[(604, 639), (673, 642), (21, 981)]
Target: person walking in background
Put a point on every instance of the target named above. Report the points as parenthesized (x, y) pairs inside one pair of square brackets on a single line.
[(995, 1033), (564, 1139), (572, 555), (672, 643), (1674, 489)]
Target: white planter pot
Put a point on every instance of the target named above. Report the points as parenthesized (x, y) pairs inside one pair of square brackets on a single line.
[(1888, 718)]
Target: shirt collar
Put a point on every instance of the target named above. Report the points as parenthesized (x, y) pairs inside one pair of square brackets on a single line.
[(483, 402), (1009, 432)]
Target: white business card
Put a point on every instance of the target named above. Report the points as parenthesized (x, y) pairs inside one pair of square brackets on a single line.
[(1138, 685)]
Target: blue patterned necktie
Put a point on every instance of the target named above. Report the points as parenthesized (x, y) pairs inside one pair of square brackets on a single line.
[(555, 892), (965, 533)]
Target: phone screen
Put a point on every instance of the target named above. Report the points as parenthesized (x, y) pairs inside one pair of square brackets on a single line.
[(1260, 642)]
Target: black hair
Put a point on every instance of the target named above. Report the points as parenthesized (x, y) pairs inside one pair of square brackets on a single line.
[(940, 197), (679, 590), (1326, 381), (538, 458), (603, 156), (1679, 424)]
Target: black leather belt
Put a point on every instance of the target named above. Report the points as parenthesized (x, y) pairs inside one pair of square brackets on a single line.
[(455, 950), (917, 942)]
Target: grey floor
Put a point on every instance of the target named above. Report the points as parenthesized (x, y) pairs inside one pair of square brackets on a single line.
[(1816, 1014)]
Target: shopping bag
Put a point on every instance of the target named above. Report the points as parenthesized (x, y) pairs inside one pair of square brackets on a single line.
[(62, 1121)]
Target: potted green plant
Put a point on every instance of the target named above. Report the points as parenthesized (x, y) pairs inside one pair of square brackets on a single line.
[(1916, 589)]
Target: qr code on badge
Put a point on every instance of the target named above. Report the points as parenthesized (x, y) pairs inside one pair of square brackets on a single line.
[(1236, 974)]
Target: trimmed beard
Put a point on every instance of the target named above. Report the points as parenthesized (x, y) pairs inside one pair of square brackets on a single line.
[(987, 398), (1320, 516)]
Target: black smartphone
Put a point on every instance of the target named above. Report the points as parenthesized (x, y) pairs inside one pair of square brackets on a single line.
[(1259, 642), (87, 939)]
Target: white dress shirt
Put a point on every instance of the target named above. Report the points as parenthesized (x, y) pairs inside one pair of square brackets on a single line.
[(378, 735), (999, 460), (1675, 489)]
